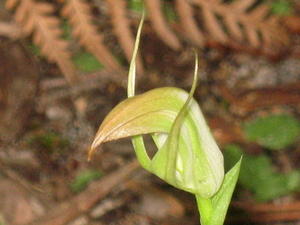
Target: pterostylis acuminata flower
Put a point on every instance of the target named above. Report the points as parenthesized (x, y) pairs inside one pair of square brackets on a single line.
[(187, 155)]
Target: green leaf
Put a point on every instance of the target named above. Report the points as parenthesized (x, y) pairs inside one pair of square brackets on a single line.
[(282, 7), (136, 5), (274, 132), (221, 201), (86, 62), (258, 175), (83, 179), (34, 49)]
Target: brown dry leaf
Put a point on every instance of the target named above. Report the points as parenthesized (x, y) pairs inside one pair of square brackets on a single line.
[(37, 18), (225, 131), (246, 101), (10, 29), (79, 15), (292, 23)]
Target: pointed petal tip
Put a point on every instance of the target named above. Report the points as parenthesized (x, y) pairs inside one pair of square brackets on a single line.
[(98, 140), (92, 150), (90, 154)]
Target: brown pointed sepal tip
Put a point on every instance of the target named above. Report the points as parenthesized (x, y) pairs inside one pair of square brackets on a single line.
[(90, 153)]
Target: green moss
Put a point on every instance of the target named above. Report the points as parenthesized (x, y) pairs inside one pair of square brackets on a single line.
[(83, 179), (50, 142), (86, 62), (34, 49)]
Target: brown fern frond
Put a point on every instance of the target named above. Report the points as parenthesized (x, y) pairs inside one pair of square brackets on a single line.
[(36, 18), (160, 25), (121, 26), (211, 22), (188, 23), (243, 5), (79, 15), (243, 22)]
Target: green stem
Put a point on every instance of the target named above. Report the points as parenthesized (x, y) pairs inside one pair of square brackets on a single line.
[(205, 209), (141, 152)]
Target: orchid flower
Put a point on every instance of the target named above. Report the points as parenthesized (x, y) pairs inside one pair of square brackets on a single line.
[(187, 155)]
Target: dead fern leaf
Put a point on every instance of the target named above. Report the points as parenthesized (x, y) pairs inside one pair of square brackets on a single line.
[(121, 25), (79, 15), (241, 23), (188, 23), (211, 22), (160, 25), (36, 19)]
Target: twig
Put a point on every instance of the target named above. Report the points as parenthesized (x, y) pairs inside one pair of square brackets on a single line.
[(253, 99), (55, 89), (268, 212), (69, 210), (268, 207), (99, 78), (11, 174)]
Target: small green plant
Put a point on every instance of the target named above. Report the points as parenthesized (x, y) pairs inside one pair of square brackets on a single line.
[(187, 157), (50, 141), (1, 220), (136, 5), (274, 132), (169, 12), (83, 179), (282, 7), (258, 175), (67, 30), (34, 49), (86, 62)]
